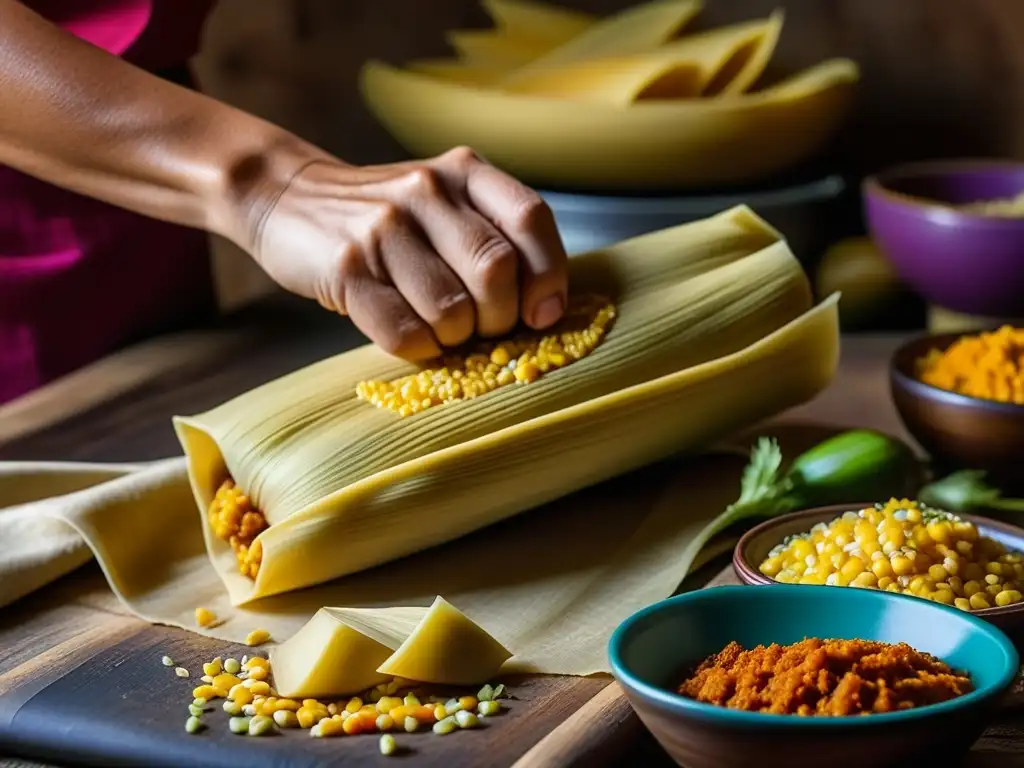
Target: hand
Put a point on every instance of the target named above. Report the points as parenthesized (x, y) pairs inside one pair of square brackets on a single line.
[(421, 255)]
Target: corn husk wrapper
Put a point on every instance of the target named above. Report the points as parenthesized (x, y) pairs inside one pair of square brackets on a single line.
[(715, 331), (551, 25), (721, 61), (487, 49), (649, 145), (636, 29)]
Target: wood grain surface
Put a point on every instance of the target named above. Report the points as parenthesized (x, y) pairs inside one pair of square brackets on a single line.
[(74, 654)]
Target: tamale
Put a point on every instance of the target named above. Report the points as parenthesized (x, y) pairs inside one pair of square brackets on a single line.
[(344, 486)]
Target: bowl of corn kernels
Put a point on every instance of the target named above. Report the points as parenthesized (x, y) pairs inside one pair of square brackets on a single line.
[(903, 546)]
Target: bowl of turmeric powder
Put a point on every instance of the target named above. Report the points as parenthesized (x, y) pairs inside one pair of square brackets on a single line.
[(962, 398), (954, 231), (783, 675)]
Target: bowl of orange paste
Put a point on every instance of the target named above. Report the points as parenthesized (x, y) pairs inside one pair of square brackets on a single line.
[(785, 675)]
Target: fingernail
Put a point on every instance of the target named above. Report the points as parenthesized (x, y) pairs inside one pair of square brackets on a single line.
[(548, 311)]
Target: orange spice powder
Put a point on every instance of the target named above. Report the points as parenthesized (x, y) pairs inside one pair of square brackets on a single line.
[(824, 677), (985, 365)]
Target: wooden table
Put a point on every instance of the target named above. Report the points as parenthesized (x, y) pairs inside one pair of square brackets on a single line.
[(120, 409)]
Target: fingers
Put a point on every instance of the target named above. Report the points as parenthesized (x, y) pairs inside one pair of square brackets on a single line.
[(428, 284), (484, 260), (527, 222), (381, 312)]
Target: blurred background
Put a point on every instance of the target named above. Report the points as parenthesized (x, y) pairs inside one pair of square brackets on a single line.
[(939, 78)]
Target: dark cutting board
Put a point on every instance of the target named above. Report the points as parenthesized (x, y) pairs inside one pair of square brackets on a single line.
[(121, 706), (101, 696)]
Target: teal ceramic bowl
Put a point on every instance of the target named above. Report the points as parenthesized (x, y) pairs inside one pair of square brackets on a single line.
[(657, 647)]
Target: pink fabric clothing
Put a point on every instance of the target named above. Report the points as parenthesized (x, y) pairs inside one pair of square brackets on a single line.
[(80, 278)]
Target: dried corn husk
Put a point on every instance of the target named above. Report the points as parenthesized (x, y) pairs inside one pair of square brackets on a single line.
[(553, 25), (715, 331), (636, 29), (720, 61)]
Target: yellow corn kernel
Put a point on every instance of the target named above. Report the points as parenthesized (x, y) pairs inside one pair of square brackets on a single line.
[(882, 569), (205, 617), (866, 579), (256, 661), (354, 704), (258, 673), (208, 692), (962, 603), (440, 712), (852, 568), (979, 601), (902, 566), (944, 596), (1008, 597), (259, 688), (240, 695), (307, 717), (884, 582), (938, 573), (971, 587), (257, 637), (992, 578), (225, 681), (211, 669), (468, 702)]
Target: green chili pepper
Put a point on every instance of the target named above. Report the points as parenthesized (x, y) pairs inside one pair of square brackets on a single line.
[(856, 466)]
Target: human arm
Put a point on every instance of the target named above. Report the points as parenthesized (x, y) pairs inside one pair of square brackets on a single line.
[(419, 254)]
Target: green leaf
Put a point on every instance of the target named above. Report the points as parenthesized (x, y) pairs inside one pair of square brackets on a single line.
[(967, 491), (763, 488)]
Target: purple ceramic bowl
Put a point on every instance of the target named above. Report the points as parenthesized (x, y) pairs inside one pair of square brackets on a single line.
[(964, 262)]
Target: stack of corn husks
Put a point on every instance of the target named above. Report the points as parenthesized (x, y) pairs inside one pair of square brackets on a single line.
[(634, 101)]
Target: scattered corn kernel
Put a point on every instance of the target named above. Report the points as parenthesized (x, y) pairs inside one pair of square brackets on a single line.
[(195, 711), (440, 712), (411, 700), (259, 688), (899, 546), (488, 708), (205, 617), (486, 693), (193, 725), (411, 724), (466, 719), (286, 718), (388, 745), (260, 725), (385, 722), (199, 701), (257, 637), (232, 667), (354, 704), (239, 725), (181, 672), (446, 726), (211, 669), (167, 661), (233, 708)]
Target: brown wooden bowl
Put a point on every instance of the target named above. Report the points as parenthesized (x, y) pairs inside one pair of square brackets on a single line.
[(958, 431), (754, 546)]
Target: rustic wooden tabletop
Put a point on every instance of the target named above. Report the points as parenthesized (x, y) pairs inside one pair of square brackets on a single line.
[(120, 410)]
